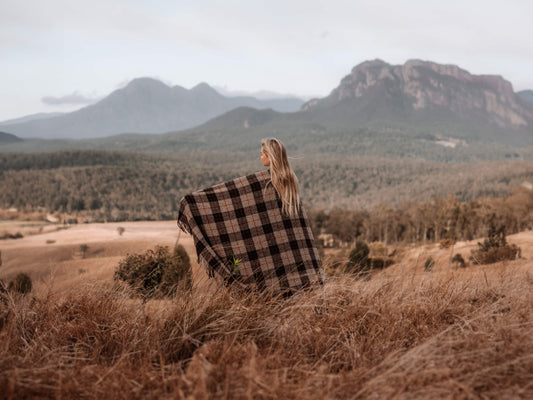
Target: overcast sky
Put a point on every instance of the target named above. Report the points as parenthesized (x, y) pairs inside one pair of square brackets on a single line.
[(57, 55)]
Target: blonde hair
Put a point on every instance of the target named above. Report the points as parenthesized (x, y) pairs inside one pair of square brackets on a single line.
[(281, 175)]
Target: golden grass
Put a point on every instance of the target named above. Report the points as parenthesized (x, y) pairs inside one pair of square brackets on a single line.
[(453, 334)]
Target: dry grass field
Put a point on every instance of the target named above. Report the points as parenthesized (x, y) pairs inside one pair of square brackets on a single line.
[(403, 334), (54, 258)]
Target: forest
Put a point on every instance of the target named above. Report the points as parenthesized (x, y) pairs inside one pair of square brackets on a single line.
[(389, 200)]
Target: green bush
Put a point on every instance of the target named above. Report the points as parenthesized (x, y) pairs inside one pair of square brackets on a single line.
[(157, 272), (495, 254), (21, 284), (495, 248)]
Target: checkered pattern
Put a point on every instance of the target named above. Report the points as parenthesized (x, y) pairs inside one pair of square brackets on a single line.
[(241, 220)]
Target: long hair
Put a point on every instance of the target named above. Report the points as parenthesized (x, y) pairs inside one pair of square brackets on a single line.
[(281, 175)]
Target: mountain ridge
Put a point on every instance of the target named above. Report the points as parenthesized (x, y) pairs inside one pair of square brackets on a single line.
[(6, 138), (417, 99), (145, 105), (376, 89)]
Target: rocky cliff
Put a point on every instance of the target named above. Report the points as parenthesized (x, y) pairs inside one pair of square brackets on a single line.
[(425, 90)]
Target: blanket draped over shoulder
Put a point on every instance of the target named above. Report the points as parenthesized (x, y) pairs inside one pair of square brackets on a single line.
[(242, 237)]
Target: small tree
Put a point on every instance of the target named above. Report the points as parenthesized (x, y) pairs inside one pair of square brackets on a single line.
[(21, 284), (121, 230), (156, 272)]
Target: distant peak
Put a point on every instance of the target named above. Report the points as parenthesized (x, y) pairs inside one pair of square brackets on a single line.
[(203, 87), (146, 82), (371, 64)]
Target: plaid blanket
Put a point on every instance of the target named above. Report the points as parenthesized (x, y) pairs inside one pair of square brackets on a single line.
[(242, 237)]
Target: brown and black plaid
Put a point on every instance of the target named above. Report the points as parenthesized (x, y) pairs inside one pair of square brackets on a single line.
[(242, 236)]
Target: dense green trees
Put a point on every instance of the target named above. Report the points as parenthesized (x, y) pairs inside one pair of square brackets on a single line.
[(375, 199), (157, 272)]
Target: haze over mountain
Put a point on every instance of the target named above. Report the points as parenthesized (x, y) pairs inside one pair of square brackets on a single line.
[(419, 99), (31, 117), (261, 95), (526, 95), (145, 105)]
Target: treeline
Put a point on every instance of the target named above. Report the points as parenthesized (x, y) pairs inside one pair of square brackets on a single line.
[(66, 158), (104, 193), (117, 186), (431, 221)]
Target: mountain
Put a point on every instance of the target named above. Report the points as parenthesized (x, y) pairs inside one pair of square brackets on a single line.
[(280, 101), (144, 105), (426, 97), (526, 95), (396, 108), (31, 117), (419, 107), (6, 138)]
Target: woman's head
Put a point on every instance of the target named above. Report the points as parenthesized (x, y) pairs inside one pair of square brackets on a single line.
[(274, 155)]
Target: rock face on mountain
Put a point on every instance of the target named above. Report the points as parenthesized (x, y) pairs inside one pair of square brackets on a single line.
[(145, 105), (420, 91)]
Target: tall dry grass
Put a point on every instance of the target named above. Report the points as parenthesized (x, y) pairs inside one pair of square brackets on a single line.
[(458, 334)]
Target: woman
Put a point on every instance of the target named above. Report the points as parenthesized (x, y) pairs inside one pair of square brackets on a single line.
[(274, 155), (252, 231)]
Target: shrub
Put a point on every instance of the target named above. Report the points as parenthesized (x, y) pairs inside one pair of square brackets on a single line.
[(446, 243), (157, 272), (429, 264), (84, 248), (459, 261), (21, 284), (380, 262), (358, 261), (495, 254), (121, 230), (180, 251), (495, 248), (17, 235)]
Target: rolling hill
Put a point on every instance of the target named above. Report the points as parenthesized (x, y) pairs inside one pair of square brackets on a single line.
[(6, 138)]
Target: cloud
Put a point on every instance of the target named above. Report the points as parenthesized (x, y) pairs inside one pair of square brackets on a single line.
[(74, 98)]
